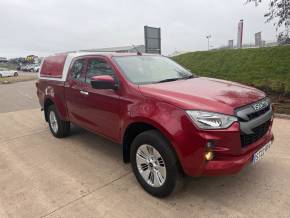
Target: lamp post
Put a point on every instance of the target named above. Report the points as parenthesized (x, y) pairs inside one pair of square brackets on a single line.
[(208, 44)]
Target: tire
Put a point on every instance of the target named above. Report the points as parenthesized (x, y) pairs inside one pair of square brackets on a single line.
[(166, 180), (58, 127), (15, 74), (0, 75)]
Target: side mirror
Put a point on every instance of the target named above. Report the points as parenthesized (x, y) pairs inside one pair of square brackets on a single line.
[(104, 82)]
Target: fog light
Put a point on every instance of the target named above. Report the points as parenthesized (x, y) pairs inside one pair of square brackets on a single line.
[(208, 155)]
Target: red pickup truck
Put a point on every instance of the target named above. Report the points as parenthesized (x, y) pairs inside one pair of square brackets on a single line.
[(169, 121)]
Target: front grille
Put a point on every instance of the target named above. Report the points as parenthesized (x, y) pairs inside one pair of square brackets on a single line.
[(258, 113), (259, 132), (248, 115)]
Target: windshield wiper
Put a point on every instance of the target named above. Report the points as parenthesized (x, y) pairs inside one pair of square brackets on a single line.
[(175, 79), (169, 80)]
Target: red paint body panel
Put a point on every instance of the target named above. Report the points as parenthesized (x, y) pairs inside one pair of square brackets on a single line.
[(54, 91), (103, 112), (204, 94), (110, 112), (53, 66)]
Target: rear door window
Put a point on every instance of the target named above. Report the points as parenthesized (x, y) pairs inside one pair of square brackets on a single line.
[(77, 69)]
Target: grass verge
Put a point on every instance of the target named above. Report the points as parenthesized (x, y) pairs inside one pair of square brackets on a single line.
[(21, 78)]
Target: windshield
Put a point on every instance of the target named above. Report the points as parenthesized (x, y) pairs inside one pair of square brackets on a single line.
[(151, 69)]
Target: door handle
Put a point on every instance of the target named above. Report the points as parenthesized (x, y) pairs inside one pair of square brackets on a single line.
[(84, 92)]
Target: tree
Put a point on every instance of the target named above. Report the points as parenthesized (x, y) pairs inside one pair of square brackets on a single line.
[(279, 12), (283, 38)]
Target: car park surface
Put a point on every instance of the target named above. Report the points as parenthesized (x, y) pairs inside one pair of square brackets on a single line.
[(18, 96), (83, 176)]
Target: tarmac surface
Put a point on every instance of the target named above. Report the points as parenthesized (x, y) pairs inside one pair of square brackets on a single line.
[(84, 176), (18, 96)]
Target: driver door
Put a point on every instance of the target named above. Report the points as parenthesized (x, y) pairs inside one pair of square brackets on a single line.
[(102, 105)]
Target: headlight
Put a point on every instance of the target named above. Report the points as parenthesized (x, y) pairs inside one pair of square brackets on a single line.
[(209, 120)]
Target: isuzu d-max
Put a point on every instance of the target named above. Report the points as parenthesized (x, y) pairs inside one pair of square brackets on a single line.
[(169, 122)]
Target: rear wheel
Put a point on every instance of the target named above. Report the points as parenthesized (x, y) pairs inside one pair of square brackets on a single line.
[(15, 74), (154, 163), (58, 127), (0, 75)]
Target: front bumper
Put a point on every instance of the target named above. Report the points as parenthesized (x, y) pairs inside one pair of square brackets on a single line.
[(234, 164), (229, 154)]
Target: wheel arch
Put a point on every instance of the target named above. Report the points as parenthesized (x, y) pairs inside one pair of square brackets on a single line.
[(47, 103), (137, 127), (55, 96)]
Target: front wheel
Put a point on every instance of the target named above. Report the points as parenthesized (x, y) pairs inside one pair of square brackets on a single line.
[(58, 127), (154, 163)]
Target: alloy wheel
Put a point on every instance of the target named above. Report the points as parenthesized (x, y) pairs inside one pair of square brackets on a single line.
[(53, 121), (151, 165)]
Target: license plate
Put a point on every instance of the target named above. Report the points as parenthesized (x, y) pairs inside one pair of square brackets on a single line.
[(260, 153)]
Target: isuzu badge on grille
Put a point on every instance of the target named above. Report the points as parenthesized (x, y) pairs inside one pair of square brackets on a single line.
[(260, 105)]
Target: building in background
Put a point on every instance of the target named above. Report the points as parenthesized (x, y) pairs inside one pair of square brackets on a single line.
[(231, 44), (240, 34), (176, 53), (258, 40), (126, 49)]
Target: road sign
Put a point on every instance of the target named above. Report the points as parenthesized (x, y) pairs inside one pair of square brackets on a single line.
[(152, 40)]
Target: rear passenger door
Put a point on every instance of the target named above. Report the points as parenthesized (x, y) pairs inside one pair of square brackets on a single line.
[(102, 105), (74, 91)]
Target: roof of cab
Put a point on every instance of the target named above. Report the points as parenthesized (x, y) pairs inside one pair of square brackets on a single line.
[(108, 54), (56, 66)]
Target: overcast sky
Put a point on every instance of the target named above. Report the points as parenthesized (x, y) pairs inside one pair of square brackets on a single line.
[(43, 27)]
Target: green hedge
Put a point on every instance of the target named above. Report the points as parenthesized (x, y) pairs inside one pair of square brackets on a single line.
[(264, 68)]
